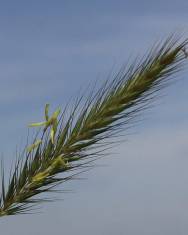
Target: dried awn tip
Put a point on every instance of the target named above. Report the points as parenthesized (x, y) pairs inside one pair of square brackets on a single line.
[(185, 52)]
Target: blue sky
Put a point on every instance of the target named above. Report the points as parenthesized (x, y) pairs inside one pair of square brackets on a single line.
[(50, 49)]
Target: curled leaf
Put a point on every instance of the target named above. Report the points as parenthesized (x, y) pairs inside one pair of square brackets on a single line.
[(50, 122)]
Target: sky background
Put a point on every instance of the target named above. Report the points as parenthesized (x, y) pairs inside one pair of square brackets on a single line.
[(50, 49)]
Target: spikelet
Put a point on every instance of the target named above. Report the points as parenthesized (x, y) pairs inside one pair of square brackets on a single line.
[(104, 115)]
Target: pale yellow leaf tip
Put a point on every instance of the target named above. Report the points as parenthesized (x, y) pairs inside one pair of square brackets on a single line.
[(31, 147)]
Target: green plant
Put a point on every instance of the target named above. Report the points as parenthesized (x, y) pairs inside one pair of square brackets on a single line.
[(68, 144)]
